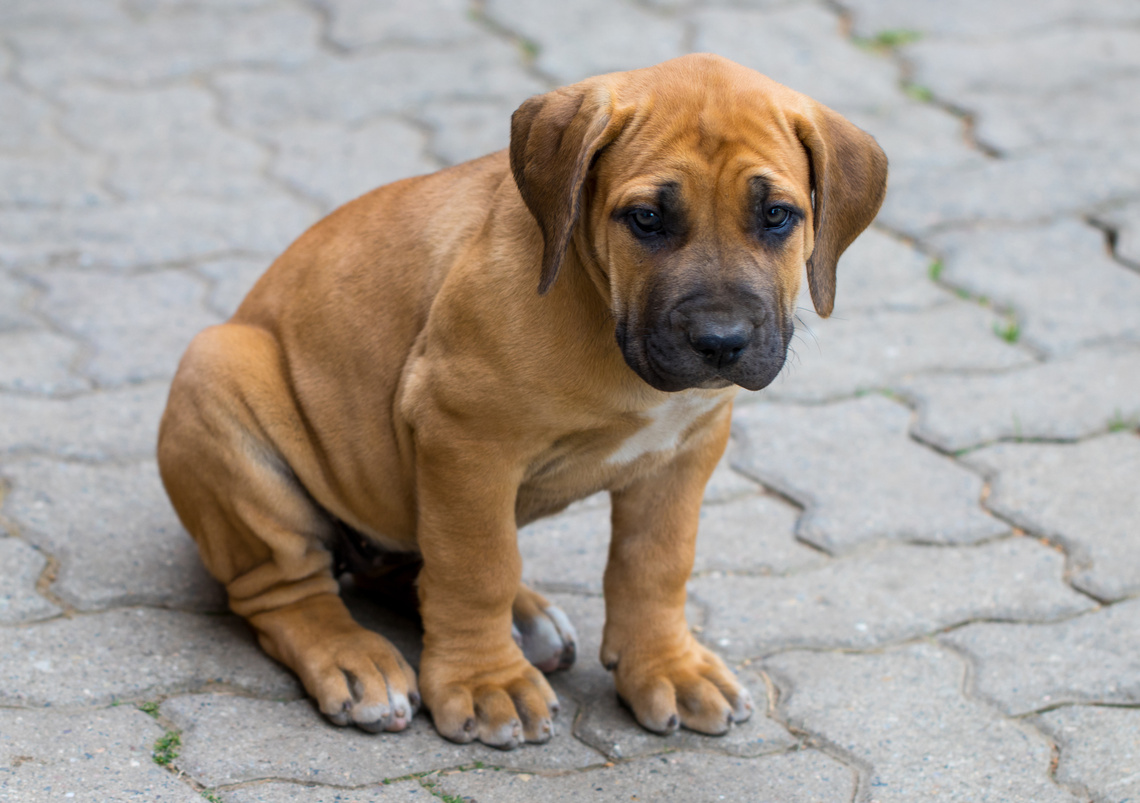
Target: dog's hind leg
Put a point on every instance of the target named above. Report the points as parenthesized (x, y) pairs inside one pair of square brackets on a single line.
[(222, 451)]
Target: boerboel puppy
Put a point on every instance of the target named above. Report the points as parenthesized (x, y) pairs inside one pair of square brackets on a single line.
[(455, 355)]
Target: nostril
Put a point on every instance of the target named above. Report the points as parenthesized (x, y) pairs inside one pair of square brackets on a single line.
[(720, 345)]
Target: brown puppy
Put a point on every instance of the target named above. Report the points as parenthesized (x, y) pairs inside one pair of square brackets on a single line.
[(452, 356)]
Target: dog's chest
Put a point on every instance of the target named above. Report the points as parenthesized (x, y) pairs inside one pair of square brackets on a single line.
[(667, 426)]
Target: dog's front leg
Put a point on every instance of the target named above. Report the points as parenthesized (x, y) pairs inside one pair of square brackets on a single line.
[(661, 672), (473, 676)]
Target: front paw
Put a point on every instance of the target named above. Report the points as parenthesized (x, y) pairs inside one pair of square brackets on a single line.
[(499, 703), (680, 683)]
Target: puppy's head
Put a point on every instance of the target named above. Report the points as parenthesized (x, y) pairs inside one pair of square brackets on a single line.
[(695, 192)]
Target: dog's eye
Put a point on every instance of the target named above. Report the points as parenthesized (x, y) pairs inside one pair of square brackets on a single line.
[(646, 221), (775, 217)]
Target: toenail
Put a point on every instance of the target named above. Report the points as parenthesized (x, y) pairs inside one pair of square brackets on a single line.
[(414, 699), (469, 725), (672, 723)]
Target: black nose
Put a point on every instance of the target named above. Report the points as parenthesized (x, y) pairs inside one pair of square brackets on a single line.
[(720, 343)]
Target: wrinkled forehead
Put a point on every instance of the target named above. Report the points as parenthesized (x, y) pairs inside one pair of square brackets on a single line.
[(710, 132)]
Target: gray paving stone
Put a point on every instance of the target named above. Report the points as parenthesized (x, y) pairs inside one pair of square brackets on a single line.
[(1081, 495), (20, 568), (15, 297), (606, 725), (590, 37), (1125, 221), (1031, 186), (155, 231), (1100, 115), (134, 654), (805, 776), (1094, 658), (333, 166), (358, 23), (980, 18), (295, 793), (885, 596), (55, 174), (148, 7), (802, 47), (1100, 750), (917, 138), (880, 272), (100, 426), (463, 130), (139, 337), (232, 277), (47, 12), (393, 80), (228, 739), (854, 351), (858, 475), (1066, 399), (901, 714), (1049, 61), (165, 47), (164, 141), (1066, 290), (753, 533), (27, 117), (88, 757), (39, 362), (114, 532)]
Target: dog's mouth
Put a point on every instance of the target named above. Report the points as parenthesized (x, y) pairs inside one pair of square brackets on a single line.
[(671, 359)]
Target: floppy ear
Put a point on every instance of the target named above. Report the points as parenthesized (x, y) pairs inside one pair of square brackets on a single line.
[(554, 140), (848, 181)]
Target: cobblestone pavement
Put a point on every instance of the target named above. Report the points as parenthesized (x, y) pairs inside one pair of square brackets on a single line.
[(922, 550)]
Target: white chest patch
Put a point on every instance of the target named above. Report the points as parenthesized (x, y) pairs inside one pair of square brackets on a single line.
[(667, 423)]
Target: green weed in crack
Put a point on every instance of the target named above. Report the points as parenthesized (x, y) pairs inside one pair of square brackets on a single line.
[(166, 748)]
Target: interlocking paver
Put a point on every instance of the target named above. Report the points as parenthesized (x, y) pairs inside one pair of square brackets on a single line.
[(142, 234), (14, 307), (114, 532), (806, 776), (1048, 400), (232, 277), (1026, 187), (1099, 116), (878, 348), (39, 362), (858, 476), (111, 424), (134, 654), (48, 12), (1094, 658), (143, 334), (396, 79), (1125, 221), (296, 793), (467, 129), (1100, 750), (800, 49), (589, 37), (1065, 493), (980, 18), (228, 739), (88, 757), (902, 715), (334, 166), (1064, 287), (54, 175), (360, 23), (885, 596), (164, 47), (20, 569), (182, 148)]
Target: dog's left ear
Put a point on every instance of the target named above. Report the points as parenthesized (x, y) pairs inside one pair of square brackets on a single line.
[(554, 140), (848, 181)]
